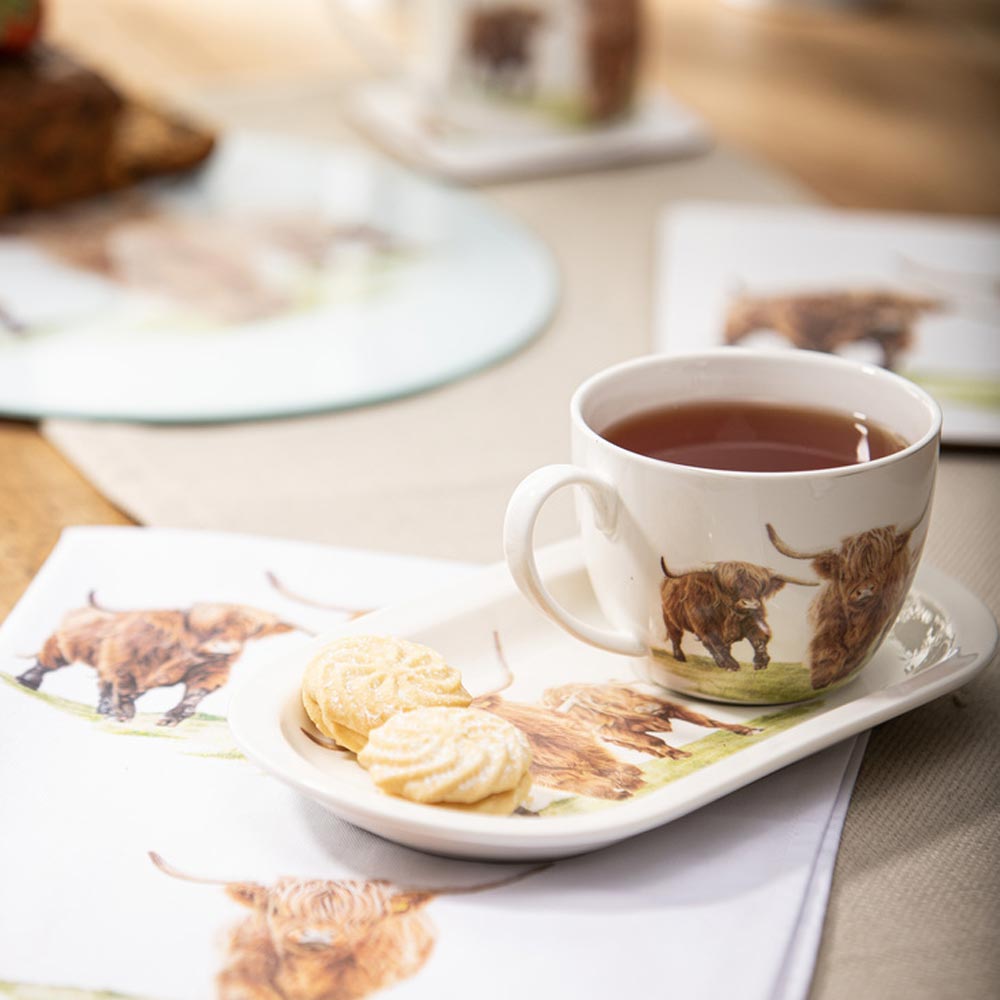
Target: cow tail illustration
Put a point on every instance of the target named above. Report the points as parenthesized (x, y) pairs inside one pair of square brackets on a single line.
[(666, 572), (506, 674)]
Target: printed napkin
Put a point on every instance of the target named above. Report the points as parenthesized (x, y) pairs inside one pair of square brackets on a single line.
[(142, 854)]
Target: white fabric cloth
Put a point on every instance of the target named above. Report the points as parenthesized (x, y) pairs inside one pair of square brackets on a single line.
[(727, 900), (797, 970)]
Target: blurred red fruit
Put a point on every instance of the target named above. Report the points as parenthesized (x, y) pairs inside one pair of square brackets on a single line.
[(20, 21)]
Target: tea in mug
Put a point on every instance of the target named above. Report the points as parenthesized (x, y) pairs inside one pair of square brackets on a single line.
[(753, 437)]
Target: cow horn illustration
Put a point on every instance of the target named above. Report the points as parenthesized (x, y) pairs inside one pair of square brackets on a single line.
[(916, 523), (280, 587), (711, 567), (291, 626), (483, 886), (169, 869), (9, 322), (300, 628), (786, 550), (677, 576), (506, 674), (248, 893), (92, 601), (322, 741), (794, 579)]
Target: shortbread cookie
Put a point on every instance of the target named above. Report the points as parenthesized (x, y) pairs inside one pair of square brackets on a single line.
[(450, 756), (500, 804), (356, 683)]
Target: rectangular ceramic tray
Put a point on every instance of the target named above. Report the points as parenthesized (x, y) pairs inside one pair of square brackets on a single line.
[(624, 755)]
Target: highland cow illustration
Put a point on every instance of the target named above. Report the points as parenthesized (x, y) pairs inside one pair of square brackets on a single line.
[(136, 651), (826, 321), (565, 755), (619, 714), (866, 580), (315, 939), (222, 266), (567, 732), (498, 40), (722, 605)]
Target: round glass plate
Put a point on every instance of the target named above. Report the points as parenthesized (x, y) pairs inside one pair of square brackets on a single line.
[(285, 277)]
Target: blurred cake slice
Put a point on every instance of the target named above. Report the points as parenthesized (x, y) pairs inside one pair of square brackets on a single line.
[(66, 133)]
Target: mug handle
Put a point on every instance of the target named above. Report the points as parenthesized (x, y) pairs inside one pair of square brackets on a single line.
[(379, 53), (518, 543), (373, 48)]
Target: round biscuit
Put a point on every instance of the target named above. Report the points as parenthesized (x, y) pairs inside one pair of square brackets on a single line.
[(356, 683), (498, 804), (448, 755)]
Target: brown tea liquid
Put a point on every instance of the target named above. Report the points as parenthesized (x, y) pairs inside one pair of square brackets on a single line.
[(753, 437)]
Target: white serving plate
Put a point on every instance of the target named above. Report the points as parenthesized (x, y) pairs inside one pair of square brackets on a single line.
[(943, 638)]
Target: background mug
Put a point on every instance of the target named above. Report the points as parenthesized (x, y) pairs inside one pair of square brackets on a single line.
[(748, 587), (572, 60)]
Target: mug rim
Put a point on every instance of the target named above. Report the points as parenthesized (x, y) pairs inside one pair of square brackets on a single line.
[(805, 358)]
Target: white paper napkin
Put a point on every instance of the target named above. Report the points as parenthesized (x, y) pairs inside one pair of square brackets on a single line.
[(728, 899)]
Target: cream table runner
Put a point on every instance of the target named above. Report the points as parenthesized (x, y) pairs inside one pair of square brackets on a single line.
[(915, 905)]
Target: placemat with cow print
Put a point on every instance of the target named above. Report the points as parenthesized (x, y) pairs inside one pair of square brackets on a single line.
[(144, 857), (918, 295)]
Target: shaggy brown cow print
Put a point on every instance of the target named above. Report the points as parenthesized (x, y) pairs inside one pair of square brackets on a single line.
[(320, 939), (136, 651)]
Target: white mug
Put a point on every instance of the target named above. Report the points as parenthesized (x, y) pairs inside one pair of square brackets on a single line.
[(572, 60), (747, 587)]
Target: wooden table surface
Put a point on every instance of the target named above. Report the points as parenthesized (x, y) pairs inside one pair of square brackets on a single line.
[(893, 109)]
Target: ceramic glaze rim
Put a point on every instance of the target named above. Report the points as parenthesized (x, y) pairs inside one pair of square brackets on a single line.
[(738, 365)]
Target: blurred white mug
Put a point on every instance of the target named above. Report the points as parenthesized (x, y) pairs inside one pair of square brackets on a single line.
[(573, 60)]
